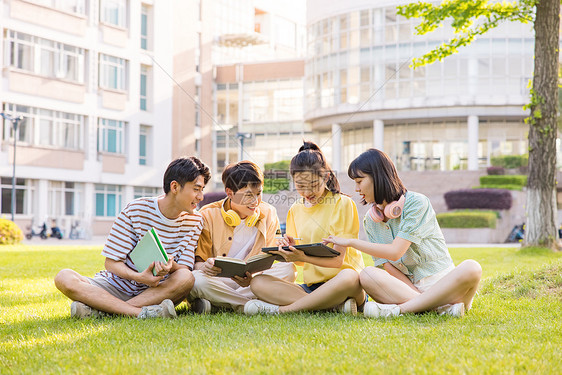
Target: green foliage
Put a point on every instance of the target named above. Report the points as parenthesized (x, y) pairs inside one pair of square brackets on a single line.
[(495, 186), (469, 19), (10, 233), (274, 185), (37, 335), (468, 219), (282, 165), (510, 161), (504, 180)]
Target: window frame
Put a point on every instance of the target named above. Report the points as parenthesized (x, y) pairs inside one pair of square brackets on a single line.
[(45, 53), (106, 64), (105, 126)]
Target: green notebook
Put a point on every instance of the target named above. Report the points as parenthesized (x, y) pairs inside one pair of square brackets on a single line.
[(149, 249)]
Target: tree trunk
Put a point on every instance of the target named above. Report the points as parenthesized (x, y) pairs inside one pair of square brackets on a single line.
[(541, 227)]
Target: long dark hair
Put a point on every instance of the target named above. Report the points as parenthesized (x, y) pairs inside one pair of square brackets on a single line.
[(311, 159), (386, 183)]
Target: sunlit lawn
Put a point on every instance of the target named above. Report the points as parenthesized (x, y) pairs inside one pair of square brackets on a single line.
[(514, 327)]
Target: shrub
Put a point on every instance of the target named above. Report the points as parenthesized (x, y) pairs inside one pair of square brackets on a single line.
[(282, 165), (517, 180), (277, 170), (10, 233), (211, 197), (468, 219), (494, 171), (273, 185), (494, 199), (510, 161), (493, 186)]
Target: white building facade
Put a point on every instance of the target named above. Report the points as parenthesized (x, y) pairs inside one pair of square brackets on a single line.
[(90, 79), (456, 114)]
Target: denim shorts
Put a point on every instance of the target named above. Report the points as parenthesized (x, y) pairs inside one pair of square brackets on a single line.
[(311, 288)]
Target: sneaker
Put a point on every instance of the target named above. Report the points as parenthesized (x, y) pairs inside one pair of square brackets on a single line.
[(380, 310), (165, 309), (201, 306), (453, 310), (349, 306), (80, 310), (256, 306)]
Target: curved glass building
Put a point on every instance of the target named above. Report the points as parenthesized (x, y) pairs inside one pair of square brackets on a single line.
[(454, 114)]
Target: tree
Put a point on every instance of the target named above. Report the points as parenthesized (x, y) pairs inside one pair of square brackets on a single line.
[(471, 18)]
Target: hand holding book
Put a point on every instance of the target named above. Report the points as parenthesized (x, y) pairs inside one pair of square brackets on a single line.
[(230, 267), (149, 253), (146, 277)]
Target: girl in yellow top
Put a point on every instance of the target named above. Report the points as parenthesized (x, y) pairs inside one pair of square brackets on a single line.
[(328, 282)]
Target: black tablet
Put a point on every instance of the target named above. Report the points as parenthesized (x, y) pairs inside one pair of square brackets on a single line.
[(311, 249)]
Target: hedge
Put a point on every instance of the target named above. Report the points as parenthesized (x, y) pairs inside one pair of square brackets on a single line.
[(282, 165), (510, 161), (494, 199), (211, 197), (492, 186), (273, 185), (10, 233), (495, 170), (517, 180), (468, 219)]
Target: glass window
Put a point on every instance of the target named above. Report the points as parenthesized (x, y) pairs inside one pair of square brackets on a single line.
[(144, 137), (23, 195), (141, 191), (108, 200), (143, 87), (65, 198), (45, 57), (70, 6), (144, 27), (114, 12), (111, 136), (48, 128), (113, 72)]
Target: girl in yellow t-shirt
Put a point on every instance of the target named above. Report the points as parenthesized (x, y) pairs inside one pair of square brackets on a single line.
[(322, 210)]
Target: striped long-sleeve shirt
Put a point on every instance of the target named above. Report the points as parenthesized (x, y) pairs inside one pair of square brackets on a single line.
[(178, 236)]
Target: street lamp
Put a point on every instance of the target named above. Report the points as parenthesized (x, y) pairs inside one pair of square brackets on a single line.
[(14, 121), (241, 137)]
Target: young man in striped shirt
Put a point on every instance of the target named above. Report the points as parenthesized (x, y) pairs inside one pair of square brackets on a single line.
[(120, 288)]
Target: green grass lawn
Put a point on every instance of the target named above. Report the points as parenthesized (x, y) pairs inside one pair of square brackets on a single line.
[(514, 326)]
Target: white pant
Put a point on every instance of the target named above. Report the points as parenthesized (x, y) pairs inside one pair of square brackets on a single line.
[(224, 292)]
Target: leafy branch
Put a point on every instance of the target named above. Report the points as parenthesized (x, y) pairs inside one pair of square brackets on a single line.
[(470, 18)]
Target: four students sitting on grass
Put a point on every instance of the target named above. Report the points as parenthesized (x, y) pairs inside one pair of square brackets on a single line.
[(417, 272)]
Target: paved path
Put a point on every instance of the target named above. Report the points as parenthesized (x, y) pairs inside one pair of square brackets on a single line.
[(100, 240)]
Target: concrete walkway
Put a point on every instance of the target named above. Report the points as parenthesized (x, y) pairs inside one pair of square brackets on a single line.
[(100, 241)]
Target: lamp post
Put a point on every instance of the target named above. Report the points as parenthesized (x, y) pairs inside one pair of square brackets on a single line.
[(241, 137), (14, 121)]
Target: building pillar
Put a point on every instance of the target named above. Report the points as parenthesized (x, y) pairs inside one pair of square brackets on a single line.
[(378, 134), (336, 147), (89, 215), (472, 143), (43, 199)]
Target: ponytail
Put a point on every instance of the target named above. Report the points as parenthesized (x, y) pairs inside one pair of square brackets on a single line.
[(333, 184), (310, 158)]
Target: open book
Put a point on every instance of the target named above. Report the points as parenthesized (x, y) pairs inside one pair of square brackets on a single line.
[(238, 267), (310, 249), (149, 249)]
